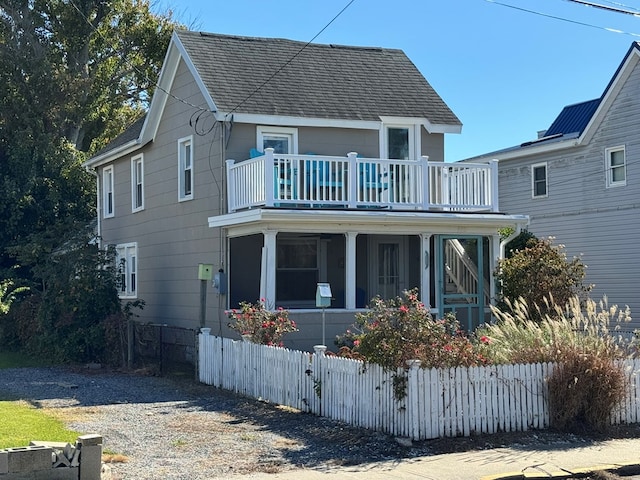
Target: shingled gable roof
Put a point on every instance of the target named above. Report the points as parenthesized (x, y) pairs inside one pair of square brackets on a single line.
[(317, 81)]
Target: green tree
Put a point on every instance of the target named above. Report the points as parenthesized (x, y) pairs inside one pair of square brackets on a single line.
[(73, 75), (538, 273)]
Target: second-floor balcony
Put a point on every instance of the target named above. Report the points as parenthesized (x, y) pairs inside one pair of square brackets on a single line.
[(305, 180)]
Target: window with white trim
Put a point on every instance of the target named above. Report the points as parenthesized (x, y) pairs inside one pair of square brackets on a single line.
[(297, 271), (616, 166), (127, 268), (185, 168), (137, 183), (107, 192), (539, 180), (281, 139), (399, 141)]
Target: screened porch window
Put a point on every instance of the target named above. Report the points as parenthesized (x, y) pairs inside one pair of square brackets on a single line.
[(297, 271)]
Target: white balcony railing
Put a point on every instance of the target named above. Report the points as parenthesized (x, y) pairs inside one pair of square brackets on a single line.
[(354, 182)]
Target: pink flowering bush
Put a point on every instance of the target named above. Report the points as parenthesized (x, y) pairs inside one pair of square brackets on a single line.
[(394, 331), (265, 327)]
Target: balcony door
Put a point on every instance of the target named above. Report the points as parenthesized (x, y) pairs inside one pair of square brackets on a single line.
[(388, 272)]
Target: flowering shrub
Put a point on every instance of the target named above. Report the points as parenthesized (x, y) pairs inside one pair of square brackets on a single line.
[(394, 331), (264, 326)]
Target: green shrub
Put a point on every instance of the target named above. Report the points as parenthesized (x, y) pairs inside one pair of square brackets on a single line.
[(537, 272)]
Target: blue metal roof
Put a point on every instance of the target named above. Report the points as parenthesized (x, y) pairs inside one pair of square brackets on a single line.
[(573, 118)]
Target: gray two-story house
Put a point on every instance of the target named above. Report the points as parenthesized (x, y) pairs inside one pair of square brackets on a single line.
[(577, 182), (283, 165)]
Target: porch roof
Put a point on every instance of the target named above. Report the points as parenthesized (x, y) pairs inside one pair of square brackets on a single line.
[(257, 220)]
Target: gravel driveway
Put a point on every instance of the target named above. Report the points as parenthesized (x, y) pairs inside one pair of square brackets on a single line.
[(178, 429), (175, 429)]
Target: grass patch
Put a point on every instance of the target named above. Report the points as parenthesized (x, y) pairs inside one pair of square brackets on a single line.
[(18, 360), (22, 423)]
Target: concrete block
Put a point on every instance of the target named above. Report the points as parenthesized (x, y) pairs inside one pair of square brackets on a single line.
[(89, 440), (45, 443), (90, 462), (4, 462), (29, 459)]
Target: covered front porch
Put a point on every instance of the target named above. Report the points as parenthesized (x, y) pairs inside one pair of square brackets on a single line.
[(280, 255)]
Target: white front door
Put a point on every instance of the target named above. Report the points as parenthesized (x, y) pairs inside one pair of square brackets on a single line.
[(388, 272)]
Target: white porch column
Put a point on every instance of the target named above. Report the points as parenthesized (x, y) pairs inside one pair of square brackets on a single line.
[(350, 270), (268, 269), (425, 274)]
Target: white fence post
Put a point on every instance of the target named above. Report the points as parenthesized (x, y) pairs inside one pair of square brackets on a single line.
[(493, 184), (320, 383), (231, 187), (426, 201), (353, 181), (269, 177)]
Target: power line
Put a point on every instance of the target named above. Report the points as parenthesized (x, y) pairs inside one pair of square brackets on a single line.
[(271, 77), (615, 9), (568, 20)]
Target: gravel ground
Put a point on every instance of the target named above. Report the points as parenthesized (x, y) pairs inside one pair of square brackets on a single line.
[(177, 429)]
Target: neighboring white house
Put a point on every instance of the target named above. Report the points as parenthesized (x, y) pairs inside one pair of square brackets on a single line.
[(283, 165), (580, 183)]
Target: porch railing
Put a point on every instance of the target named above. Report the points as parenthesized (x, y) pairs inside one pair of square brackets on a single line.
[(355, 182)]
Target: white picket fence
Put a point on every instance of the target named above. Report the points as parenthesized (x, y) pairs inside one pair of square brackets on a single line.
[(438, 402)]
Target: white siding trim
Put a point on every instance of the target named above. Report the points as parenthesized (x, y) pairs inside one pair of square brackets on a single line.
[(262, 130), (608, 169), (137, 179), (185, 168), (127, 267), (533, 180), (108, 194)]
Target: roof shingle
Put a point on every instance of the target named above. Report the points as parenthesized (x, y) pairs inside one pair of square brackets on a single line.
[(272, 76)]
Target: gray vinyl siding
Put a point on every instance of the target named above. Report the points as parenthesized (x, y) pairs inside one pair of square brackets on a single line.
[(329, 141), (601, 224), (173, 237)]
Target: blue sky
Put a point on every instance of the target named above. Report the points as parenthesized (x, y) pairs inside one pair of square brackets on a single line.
[(506, 73)]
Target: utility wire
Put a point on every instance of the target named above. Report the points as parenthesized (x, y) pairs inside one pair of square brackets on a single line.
[(605, 7), (271, 77), (607, 29)]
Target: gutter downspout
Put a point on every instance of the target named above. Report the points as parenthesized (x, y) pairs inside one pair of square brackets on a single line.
[(503, 243)]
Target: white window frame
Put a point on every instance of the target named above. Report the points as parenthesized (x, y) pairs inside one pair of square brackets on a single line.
[(533, 180), (137, 182), (414, 138), (291, 133), (108, 196), (185, 168), (127, 267), (609, 169)]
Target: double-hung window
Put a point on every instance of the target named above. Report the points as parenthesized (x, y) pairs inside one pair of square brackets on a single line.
[(127, 268), (616, 166), (107, 192), (539, 180), (297, 271), (185, 168), (281, 139), (137, 183)]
